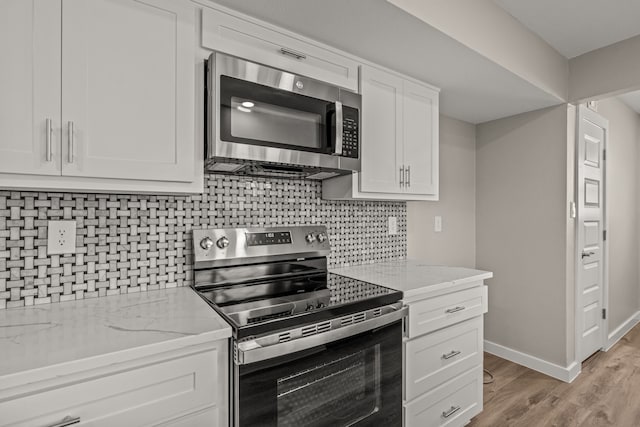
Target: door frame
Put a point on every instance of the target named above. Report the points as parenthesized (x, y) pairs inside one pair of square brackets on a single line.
[(583, 110)]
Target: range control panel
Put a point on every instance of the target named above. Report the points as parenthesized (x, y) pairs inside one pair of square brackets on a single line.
[(236, 244), (268, 238)]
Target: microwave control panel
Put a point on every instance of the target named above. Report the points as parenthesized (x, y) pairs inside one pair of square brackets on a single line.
[(350, 133)]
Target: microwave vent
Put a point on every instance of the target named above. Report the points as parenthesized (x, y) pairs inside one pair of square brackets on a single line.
[(322, 175), (226, 167)]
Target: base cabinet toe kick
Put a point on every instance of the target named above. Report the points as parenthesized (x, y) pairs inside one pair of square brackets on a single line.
[(443, 357)]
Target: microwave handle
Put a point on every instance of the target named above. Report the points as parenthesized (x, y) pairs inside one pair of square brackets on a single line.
[(339, 129)]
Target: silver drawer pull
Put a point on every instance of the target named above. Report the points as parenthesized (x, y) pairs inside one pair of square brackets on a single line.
[(455, 309), (291, 52), (453, 353), (451, 411), (66, 421)]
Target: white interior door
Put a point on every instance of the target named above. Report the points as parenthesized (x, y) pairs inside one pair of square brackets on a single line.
[(381, 131), (592, 134), (30, 86), (128, 89)]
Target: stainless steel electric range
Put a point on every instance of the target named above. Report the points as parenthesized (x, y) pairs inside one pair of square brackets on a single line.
[(309, 348)]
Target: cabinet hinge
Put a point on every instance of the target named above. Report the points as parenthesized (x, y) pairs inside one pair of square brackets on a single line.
[(604, 234), (604, 313), (604, 154)]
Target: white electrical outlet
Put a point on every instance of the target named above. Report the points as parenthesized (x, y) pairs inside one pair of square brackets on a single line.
[(437, 224), (393, 225), (61, 237)]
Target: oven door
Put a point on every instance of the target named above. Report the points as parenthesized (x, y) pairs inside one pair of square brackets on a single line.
[(356, 381)]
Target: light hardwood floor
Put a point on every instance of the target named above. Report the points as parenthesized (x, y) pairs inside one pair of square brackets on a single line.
[(606, 393)]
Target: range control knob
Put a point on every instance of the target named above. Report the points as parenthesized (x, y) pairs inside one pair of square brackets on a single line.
[(206, 243), (222, 242), (309, 307), (322, 237), (310, 238)]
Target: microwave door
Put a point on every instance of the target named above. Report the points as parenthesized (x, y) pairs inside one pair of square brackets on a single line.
[(261, 115)]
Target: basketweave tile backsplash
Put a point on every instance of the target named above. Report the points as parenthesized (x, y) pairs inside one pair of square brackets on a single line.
[(132, 243)]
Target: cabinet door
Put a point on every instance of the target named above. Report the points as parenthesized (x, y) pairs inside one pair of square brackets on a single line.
[(236, 36), (30, 86), (420, 122), (128, 89), (381, 131)]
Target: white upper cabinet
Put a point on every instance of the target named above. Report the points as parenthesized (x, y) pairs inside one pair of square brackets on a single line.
[(381, 112), (420, 129), (30, 87), (399, 141), (259, 42), (127, 81), (113, 80)]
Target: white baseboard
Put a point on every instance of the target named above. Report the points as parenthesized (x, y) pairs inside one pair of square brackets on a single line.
[(566, 374), (622, 330)]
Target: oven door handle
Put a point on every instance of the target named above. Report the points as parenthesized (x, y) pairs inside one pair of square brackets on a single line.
[(252, 351)]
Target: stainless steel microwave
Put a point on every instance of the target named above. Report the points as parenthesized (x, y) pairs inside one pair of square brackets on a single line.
[(268, 122)]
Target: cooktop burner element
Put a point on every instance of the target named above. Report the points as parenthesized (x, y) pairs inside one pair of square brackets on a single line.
[(262, 280)]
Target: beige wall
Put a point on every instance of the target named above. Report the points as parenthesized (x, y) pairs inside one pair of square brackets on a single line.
[(622, 203), (455, 245), (607, 71), (523, 230)]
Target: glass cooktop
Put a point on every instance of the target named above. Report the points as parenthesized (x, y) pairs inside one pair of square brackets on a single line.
[(266, 306)]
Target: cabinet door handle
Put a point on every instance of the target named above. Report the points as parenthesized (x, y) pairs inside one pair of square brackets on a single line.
[(70, 130), (451, 411), (49, 131), (455, 309), (401, 176), (408, 171), (291, 52), (66, 421), (453, 353)]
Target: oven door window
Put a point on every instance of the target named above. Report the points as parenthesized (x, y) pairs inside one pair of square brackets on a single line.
[(340, 384), (341, 392), (255, 114)]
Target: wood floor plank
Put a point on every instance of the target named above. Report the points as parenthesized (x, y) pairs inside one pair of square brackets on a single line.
[(606, 393)]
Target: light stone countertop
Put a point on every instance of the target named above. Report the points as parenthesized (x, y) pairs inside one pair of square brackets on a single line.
[(416, 279), (40, 341)]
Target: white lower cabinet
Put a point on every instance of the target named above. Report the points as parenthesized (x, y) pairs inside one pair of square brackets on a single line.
[(443, 358), (182, 388), (451, 404)]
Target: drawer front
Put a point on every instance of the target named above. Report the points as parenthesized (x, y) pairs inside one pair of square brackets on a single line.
[(439, 312), (452, 404), (226, 33), (140, 396), (440, 356)]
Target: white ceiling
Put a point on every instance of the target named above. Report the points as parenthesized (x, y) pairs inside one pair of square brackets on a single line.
[(574, 27), (632, 99), (474, 88)]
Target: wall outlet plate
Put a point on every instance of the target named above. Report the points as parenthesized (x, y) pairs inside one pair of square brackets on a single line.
[(393, 225), (61, 237), (437, 224)]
